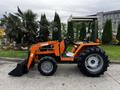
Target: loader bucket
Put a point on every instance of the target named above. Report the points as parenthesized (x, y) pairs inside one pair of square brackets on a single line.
[(20, 69)]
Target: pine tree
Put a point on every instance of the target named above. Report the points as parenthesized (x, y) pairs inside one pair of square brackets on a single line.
[(70, 32), (43, 33), (107, 32), (118, 34), (82, 31), (76, 30), (56, 34), (93, 32)]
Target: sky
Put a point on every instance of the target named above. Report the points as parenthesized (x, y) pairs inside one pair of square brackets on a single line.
[(65, 8)]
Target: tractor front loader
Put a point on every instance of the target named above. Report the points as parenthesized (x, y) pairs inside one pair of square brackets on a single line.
[(36, 51)]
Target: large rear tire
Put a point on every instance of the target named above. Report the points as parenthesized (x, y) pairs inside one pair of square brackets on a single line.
[(47, 66), (93, 62)]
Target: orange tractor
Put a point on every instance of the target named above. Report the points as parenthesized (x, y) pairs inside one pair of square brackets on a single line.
[(91, 59)]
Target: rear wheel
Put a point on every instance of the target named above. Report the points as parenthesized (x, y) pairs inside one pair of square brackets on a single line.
[(47, 66), (93, 62)]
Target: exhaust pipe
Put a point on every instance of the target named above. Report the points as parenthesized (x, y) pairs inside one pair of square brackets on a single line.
[(20, 69)]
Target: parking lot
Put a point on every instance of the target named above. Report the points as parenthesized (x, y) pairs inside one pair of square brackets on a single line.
[(67, 77)]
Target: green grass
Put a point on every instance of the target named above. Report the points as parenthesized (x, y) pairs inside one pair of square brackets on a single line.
[(112, 51), (13, 54)]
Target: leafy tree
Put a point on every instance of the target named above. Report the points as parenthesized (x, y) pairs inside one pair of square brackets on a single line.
[(82, 31), (29, 25), (2, 21), (118, 34), (94, 33), (77, 30), (13, 24), (56, 34), (107, 32), (2, 33), (70, 32), (21, 26), (43, 33), (63, 29)]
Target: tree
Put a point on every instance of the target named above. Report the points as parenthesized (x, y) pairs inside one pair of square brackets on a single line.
[(2, 21), (29, 25), (118, 34), (56, 34), (70, 32), (82, 31), (2, 32), (94, 33), (13, 24), (77, 30), (43, 33), (21, 26), (63, 29), (107, 32)]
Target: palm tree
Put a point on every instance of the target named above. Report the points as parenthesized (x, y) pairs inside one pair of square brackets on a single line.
[(21, 26), (29, 23), (13, 24)]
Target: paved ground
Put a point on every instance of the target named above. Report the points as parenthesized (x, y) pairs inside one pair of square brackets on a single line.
[(67, 77)]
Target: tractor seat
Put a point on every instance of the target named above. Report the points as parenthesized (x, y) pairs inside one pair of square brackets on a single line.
[(66, 43), (69, 54), (63, 48)]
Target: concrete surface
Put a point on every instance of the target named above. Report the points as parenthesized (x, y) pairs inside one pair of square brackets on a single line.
[(67, 77)]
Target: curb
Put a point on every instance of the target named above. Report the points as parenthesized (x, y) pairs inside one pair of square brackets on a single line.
[(115, 62), (21, 59), (11, 59)]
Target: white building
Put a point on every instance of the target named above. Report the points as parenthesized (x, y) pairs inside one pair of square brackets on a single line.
[(113, 15)]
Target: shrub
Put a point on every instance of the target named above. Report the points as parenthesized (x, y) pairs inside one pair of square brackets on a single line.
[(118, 33), (107, 32), (82, 31)]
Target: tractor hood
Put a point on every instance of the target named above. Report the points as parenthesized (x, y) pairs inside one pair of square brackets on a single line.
[(47, 43), (42, 44)]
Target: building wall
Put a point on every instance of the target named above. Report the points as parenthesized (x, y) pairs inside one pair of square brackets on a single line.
[(113, 15)]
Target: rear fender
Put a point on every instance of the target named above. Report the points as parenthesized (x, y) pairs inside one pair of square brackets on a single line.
[(85, 45)]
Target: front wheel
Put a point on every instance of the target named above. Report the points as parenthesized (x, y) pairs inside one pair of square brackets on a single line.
[(93, 62), (47, 66)]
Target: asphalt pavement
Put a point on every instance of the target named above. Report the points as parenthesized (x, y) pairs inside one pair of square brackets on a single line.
[(67, 77)]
